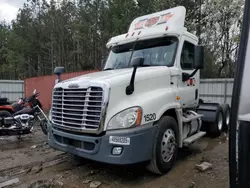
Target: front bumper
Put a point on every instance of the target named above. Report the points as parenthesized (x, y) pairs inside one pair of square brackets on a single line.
[(100, 149)]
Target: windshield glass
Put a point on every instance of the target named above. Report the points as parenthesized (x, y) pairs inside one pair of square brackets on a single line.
[(156, 52)]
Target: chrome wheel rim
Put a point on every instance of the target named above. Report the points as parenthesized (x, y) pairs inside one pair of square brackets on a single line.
[(227, 117), (168, 145), (220, 121)]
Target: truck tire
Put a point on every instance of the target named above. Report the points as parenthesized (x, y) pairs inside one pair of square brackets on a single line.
[(226, 116), (216, 128), (165, 147)]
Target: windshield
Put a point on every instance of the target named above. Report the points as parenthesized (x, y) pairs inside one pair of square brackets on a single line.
[(156, 52)]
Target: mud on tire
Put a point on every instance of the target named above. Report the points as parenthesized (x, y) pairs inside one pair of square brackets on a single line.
[(163, 157)]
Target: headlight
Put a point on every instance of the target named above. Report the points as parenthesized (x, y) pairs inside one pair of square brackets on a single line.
[(128, 118)]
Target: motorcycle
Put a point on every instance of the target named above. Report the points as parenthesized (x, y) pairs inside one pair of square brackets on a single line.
[(20, 117)]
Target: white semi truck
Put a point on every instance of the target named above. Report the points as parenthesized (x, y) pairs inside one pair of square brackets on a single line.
[(144, 105)]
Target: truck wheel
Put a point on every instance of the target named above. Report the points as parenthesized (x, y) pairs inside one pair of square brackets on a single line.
[(226, 116), (165, 147), (216, 128)]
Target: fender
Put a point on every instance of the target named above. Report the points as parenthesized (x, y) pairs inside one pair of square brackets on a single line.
[(169, 106), (209, 110), (7, 108), (178, 112)]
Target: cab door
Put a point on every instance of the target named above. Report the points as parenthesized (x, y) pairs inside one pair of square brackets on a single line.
[(188, 90)]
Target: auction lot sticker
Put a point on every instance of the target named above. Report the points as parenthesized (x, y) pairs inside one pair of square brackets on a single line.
[(119, 140)]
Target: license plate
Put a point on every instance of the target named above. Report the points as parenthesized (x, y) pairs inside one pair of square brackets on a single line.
[(119, 140)]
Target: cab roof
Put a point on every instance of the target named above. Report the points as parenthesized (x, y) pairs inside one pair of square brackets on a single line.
[(167, 22)]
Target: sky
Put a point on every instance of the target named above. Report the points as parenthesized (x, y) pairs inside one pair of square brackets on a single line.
[(9, 9)]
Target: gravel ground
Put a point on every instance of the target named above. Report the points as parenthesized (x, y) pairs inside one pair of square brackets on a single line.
[(37, 165)]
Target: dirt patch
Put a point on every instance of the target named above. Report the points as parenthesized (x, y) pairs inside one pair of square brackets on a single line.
[(41, 166)]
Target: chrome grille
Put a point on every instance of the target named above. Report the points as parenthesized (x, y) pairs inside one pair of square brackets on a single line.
[(77, 109)]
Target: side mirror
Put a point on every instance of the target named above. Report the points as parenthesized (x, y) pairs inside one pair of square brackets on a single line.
[(199, 57), (58, 71), (137, 61)]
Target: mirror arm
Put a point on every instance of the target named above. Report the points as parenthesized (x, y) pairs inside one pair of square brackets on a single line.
[(186, 76), (193, 73), (130, 88), (59, 77)]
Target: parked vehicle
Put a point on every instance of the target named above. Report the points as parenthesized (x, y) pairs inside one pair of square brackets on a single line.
[(239, 133), (144, 105), (20, 117), (3, 100)]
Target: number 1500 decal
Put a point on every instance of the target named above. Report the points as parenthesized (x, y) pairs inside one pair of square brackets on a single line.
[(150, 117)]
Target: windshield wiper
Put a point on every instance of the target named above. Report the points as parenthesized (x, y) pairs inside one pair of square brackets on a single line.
[(108, 69), (146, 65)]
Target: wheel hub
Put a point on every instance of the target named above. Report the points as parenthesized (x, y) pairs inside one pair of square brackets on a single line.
[(168, 145), (227, 118), (220, 121)]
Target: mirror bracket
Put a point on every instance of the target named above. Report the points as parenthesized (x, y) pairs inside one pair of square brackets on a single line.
[(136, 62), (130, 88), (186, 76), (58, 71)]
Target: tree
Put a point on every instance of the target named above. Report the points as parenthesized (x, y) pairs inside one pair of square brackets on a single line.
[(74, 33)]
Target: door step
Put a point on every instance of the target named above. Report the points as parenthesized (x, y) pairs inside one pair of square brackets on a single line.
[(193, 138)]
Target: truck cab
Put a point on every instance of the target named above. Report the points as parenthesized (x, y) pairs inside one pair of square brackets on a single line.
[(144, 105)]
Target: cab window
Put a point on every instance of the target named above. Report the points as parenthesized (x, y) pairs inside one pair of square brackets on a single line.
[(187, 56)]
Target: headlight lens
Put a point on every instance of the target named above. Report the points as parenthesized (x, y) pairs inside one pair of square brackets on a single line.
[(128, 118)]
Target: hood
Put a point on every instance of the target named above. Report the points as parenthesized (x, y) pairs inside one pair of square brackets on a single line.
[(121, 76)]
